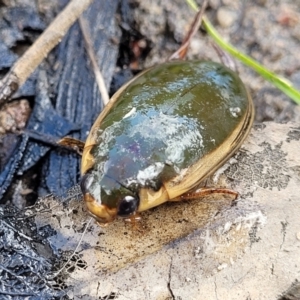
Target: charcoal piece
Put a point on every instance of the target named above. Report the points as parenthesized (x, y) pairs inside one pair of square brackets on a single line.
[(7, 57), (28, 89), (120, 77), (11, 167), (19, 24), (25, 259), (46, 121), (69, 101), (77, 96), (24, 18), (9, 35)]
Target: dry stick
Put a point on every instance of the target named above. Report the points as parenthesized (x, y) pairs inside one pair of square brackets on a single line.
[(17, 231), (92, 57), (181, 52), (225, 58), (24, 66), (20, 278)]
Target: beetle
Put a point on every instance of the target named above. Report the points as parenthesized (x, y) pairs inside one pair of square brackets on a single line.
[(161, 135)]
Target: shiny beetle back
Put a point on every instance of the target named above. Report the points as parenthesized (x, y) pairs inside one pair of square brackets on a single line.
[(162, 134)]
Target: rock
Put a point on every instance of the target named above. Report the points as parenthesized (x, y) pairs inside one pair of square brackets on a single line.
[(226, 16), (209, 247)]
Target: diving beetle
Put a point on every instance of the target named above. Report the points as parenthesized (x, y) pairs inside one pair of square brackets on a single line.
[(162, 134)]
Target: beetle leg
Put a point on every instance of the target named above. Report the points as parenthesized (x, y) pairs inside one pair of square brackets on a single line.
[(72, 143), (68, 143), (134, 220), (204, 192)]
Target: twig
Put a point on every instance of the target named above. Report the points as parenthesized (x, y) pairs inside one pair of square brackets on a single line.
[(92, 57), (18, 277), (20, 294), (181, 52), (24, 66), (225, 58), (17, 231)]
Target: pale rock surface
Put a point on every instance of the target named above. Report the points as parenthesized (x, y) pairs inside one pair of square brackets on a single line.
[(205, 249)]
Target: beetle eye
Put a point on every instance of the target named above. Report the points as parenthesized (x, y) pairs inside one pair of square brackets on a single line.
[(128, 205)]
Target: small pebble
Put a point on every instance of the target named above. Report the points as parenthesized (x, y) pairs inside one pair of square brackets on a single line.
[(226, 17), (261, 2), (222, 266)]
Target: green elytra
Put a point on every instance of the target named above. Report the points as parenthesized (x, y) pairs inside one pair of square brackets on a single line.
[(162, 134)]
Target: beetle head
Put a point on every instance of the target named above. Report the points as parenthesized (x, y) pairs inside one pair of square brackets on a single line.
[(106, 198)]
